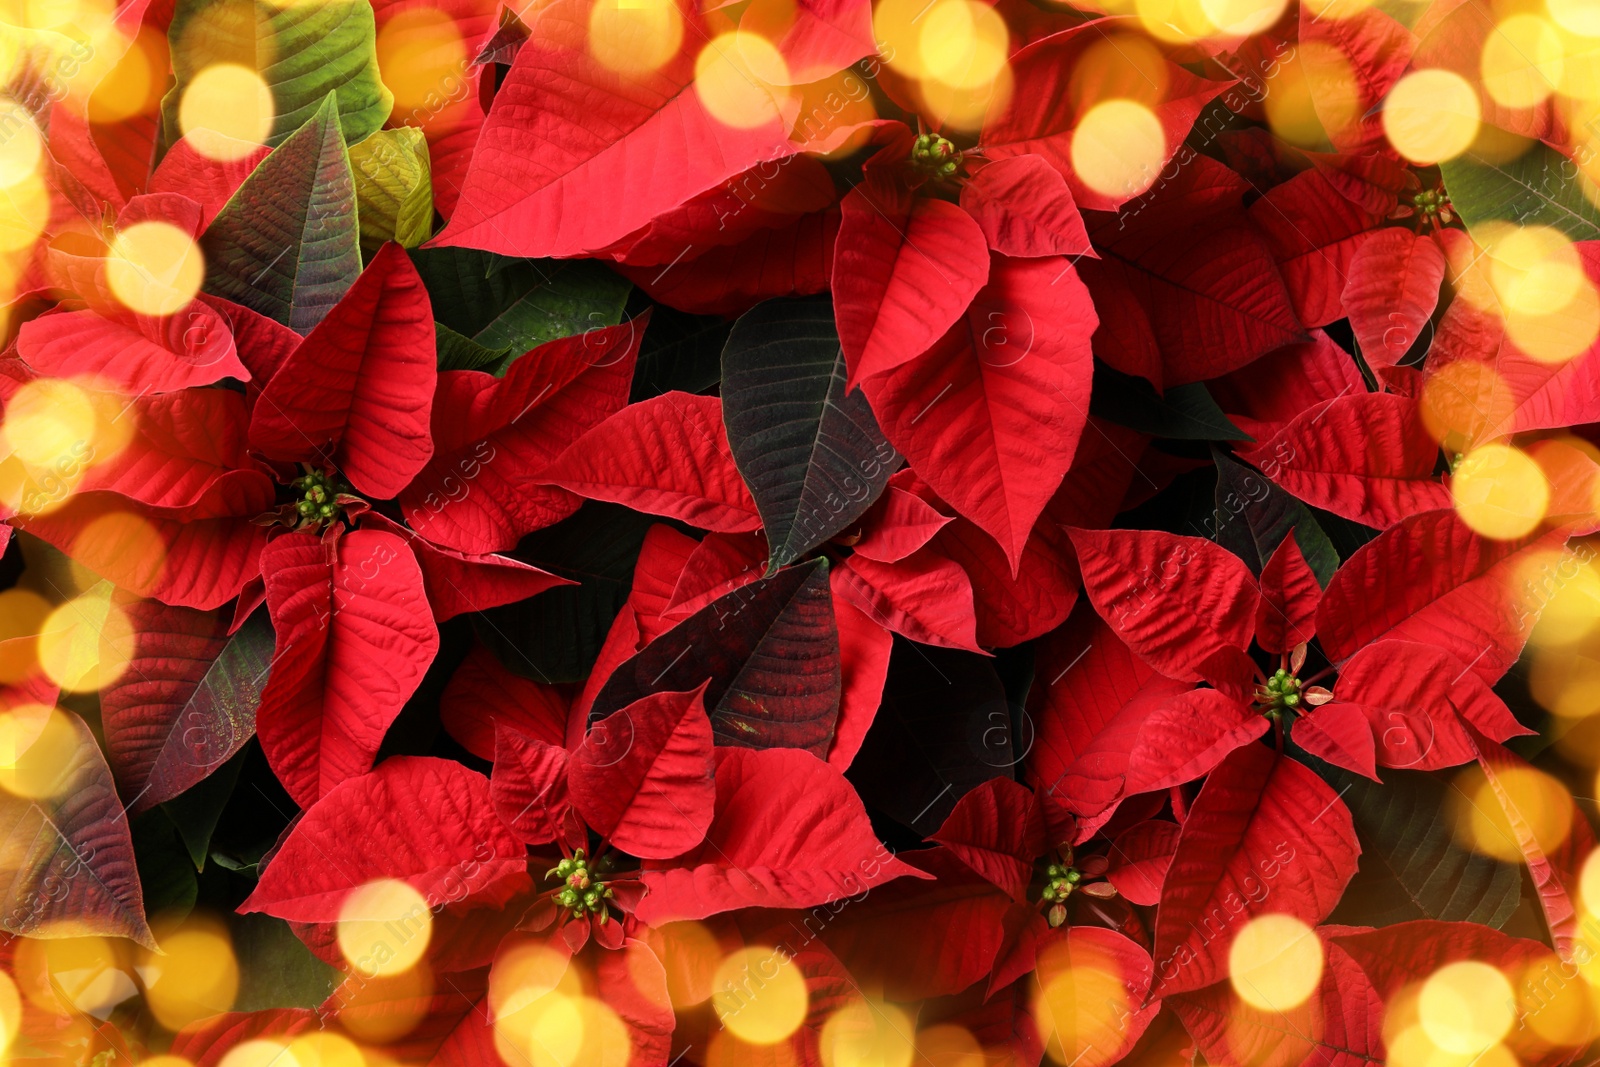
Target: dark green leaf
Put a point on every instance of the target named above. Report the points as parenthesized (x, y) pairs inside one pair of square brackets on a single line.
[(679, 351), (1252, 516), (556, 635), (463, 353), (165, 873), (276, 970), (814, 458), (1184, 412), (195, 813), (1539, 187), (286, 245)]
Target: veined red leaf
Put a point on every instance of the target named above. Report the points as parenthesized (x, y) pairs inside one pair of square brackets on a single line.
[(354, 636), (1391, 291), (457, 582), (606, 182), (1140, 857), (990, 416), (1025, 209), (997, 830), (1341, 734), (1186, 735), (898, 525), (789, 832), (669, 456), (1265, 834), (529, 785), (137, 353), (1176, 601), (1365, 456), (815, 37), (187, 700), (1290, 593), (1314, 233), (924, 597), (359, 389), (482, 693), (904, 269), (209, 182), (1431, 580), (1377, 49), (1102, 1007), (493, 437), (427, 822), (1272, 392), (864, 648), (643, 776)]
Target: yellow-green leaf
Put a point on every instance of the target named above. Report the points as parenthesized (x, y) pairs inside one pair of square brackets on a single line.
[(394, 188)]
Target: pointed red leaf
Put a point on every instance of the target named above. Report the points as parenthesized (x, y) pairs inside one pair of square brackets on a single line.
[(493, 437), (1341, 734), (457, 582), (529, 785), (359, 389), (354, 637), (898, 525), (207, 181), (1175, 600), (482, 693), (1392, 289), (1431, 580), (1264, 835), (643, 776), (1290, 593), (136, 353), (1365, 456), (615, 131), (924, 597), (427, 822), (991, 415), (669, 456), (1314, 233), (1266, 396), (789, 832), (1186, 736), (904, 270), (1140, 858), (1025, 209), (864, 648), (998, 831), (1099, 1012)]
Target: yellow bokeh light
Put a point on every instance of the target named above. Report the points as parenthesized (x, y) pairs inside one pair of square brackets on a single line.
[(22, 616), (948, 1045), (1243, 18), (86, 642), (155, 268), (866, 1034), (133, 85), (384, 927), (1559, 335), (1535, 269), (1314, 97), (1466, 1007), (1570, 601), (1431, 115), (740, 79), (35, 756), (226, 111), (21, 148), (1521, 62), (1500, 492), (1461, 400), (1581, 17), (323, 1048), (962, 110), (1080, 1008), (635, 36), (420, 55), (1565, 681), (383, 1010), (46, 419), (1119, 66), (10, 1012), (1412, 1047), (196, 974), (1275, 962), (963, 43), (66, 974), (897, 25), (24, 214), (690, 954), (1542, 805), (259, 1052), (1175, 21), (526, 972), (1118, 148), (759, 995)]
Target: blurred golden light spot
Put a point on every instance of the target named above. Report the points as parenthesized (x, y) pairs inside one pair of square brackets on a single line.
[(1567, 591), (690, 954), (259, 1052), (1175, 21), (227, 111), (1559, 335), (1532, 268), (1082, 1003), (948, 1045), (421, 58), (1275, 962), (22, 616), (635, 36), (963, 43), (1521, 61), (896, 25), (1559, 1010), (1431, 115), (165, 1060), (195, 976), (1118, 148), (64, 975), (1542, 804), (38, 746), (1461, 400), (1314, 96), (155, 268), (1336, 9), (1243, 18), (759, 995), (1119, 66), (740, 78), (10, 1012), (962, 110), (132, 86), (384, 1009), (324, 1048), (384, 927), (525, 972), (1581, 17), (864, 1034), (84, 644), (122, 542), (1466, 1007), (21, 147), (1499, 492), (1412, 1047), (47, 419), (24, 214), (1565, 681)]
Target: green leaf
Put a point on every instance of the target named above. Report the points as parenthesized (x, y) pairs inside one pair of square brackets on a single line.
[(196, 811), (394, 189), (679, 351), (1539, 187), (556, 636), (165, 873), (276, 970), (463, 353), (813, 457), (303, 52), (286, 244), (1183, 412), (518, 304), (1251, 516)]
